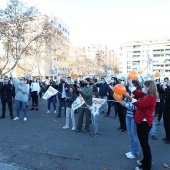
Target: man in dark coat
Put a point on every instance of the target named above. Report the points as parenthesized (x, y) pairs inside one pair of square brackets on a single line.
[(6, 97), (62, 88)]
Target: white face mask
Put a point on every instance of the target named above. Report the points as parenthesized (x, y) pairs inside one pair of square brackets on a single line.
[(122, 82), (112, 81), (144, 90)]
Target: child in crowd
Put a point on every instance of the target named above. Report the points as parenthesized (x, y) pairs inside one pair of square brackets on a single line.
[(94, 114), (70, 98)]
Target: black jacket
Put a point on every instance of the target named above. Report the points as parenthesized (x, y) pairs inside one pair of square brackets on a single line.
[(6, 93), (103, 89), (60, 89), (72, 98)]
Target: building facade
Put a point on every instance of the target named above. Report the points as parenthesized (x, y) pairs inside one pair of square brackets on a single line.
[(145, 56)]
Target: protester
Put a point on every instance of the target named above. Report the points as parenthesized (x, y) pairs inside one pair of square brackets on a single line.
[(166, 112), (145, 106), (86, 93), (6, 97), (103, 93), (70, 98), (53, 98), (94, 115), (21, 96), (35, 89), (63, 88)]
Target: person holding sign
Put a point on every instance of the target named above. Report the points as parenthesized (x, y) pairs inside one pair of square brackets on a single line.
[(94, 114), (70, 98), (86, 93), (52, 99)]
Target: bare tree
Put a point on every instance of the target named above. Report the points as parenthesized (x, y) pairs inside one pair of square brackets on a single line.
[(21, 29)]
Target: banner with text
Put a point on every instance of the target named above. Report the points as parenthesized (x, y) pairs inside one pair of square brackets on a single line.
[(78, 103), (50, 92)]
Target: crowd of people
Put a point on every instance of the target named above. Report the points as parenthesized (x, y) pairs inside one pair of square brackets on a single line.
[(142, 101)]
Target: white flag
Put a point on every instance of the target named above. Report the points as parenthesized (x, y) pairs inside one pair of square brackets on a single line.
[(50, 92), (78, 103), (97, 103)]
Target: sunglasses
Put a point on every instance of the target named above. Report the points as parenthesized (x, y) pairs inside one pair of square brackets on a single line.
[(122, 80)]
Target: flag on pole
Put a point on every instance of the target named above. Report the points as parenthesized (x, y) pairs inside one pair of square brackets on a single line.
[(50, 92)]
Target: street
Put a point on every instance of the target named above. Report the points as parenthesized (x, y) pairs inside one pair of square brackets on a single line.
[(40, 143)]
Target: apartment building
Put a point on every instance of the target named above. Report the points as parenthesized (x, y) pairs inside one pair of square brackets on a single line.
[(145, 56)]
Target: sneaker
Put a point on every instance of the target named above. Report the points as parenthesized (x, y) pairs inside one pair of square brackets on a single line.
[(55, 111), (139, 168), (95, 135), (25, 119), (16, 118), (123, 130), (154, 137), (157, 123), (48, 111), (127, 153), (131, 156), (139, 162), (73, 128), (65, 127)]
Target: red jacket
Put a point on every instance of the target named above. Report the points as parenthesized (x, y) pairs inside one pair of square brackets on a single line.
[(145, 107)]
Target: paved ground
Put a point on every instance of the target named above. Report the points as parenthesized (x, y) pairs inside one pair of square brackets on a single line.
[(42, 144)]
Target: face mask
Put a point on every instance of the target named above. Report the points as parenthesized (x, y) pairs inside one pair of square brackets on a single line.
[(156, 82), (144, 91), (90, 84), (112, 81), (122, 82), (75, 81), (34, 80), (85, 84), (102, 81), (62, 81), (22, 82), (165, 83), (71, 90), (47, 83)]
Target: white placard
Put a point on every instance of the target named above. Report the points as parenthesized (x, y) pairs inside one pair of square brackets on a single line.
[(50, 92)]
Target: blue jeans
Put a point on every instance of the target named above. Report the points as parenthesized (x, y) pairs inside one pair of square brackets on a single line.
[(153, 130), (53, 100), (104, 107), (132, 131), (94, 120), (18, 105)]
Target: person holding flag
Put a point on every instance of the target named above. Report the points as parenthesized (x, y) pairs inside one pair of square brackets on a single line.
[(86, 93), (52, 98)]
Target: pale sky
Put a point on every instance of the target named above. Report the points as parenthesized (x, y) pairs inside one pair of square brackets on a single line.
[(112, 22)]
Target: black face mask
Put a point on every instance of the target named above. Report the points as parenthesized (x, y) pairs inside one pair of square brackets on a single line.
[(75, 82), (85, 84), (90, 84), (62, 81)]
